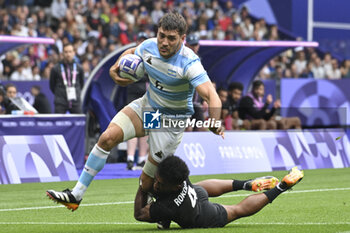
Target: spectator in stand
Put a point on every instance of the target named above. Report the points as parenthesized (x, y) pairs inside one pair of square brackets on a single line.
[(27, 69), (287, 73), (66, 82), (262, 29), (192, 41), (247, 28), (18, 75), (2, 102), (41, 103), (229, 111), (273, 35), (307, 72), (10, 92), (293, 70), (229, 8), (157, 12), (264, 73), (278, 74), (253, 107), (223, 94), (113, 25), (7, 63), (244, 13), (327, 63), (345, 69), (5, 25), (36, 73), (47, 71), (334, 72), (318, 70), (58, 12), (300, 62)]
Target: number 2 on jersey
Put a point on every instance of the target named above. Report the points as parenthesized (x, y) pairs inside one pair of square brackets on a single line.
[(192, 195)]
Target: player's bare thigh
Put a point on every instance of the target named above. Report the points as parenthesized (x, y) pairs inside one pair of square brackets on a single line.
[(114, 134)]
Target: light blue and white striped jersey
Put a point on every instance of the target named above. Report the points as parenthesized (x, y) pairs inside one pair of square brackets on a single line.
[(172, 80)]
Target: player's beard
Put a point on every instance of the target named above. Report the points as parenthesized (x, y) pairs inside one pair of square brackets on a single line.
[(171, 51)]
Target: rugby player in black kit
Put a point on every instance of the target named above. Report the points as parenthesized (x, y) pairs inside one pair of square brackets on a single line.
[(176, 199)]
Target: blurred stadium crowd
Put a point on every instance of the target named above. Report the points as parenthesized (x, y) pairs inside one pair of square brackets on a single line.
[(98, 27)]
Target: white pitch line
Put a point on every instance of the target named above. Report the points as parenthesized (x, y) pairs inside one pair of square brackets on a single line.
[(141, 223), (131, 202), (291, 192), (72, 223), (294, 223)]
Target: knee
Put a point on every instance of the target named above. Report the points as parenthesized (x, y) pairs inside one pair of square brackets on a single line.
[(271, 125), (234, 212), (297, 122), (246, 125), (261, 124), (107, 140), (282, 124)]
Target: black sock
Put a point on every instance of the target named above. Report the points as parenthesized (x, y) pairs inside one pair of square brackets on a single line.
[(238, 184), (273, 193)]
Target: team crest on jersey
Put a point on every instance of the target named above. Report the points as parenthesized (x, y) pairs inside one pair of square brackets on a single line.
[(172, 73)]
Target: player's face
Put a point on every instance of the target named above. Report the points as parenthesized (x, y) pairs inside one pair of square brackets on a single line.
[(161, 187), (68, 53), (169, 42), (11, 92), (260, 91), (236, 95), (223, 96)]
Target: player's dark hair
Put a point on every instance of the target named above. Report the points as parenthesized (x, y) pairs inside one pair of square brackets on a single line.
[(37, 87), (235, 85), (257, 84), (221, 89), (68, 44), (10, 85), (173, 170), (173, 21)]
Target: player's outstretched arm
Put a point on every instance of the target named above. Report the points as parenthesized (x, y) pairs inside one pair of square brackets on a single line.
[(114, 70), (141, 208), (208, 93)]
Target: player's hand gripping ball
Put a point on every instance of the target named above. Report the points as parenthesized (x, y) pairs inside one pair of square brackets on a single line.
[(131, 67)]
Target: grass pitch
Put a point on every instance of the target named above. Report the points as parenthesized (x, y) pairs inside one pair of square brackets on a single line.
[(319, 203)]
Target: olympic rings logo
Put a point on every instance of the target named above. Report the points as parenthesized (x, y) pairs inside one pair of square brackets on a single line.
[(195, 153)]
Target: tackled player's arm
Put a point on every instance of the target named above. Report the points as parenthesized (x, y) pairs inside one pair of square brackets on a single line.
[(208, 93), (141, 208), (114, 70)]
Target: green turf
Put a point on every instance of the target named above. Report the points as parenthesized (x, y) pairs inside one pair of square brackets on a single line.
[(316, 210)]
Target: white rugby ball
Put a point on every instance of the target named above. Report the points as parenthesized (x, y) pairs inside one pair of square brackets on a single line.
[(131, 67)]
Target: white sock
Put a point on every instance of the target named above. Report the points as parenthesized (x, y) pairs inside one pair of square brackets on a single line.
[(95, 162), (79, 190), (130, 158), (142, 158)]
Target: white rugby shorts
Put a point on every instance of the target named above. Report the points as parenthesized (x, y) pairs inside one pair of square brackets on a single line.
[(162, 142)]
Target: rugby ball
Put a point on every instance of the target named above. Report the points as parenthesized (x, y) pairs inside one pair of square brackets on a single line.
[(131, 67)]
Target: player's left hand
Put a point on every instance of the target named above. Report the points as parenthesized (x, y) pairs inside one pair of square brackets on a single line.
[(218, 131)]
